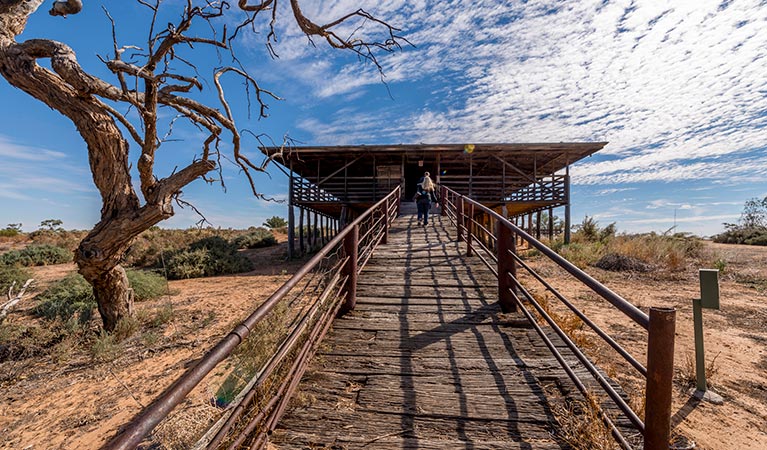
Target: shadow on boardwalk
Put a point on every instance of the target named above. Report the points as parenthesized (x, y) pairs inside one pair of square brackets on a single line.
[(425, 361)]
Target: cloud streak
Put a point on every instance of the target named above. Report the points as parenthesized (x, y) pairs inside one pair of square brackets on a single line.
[(671, 85)]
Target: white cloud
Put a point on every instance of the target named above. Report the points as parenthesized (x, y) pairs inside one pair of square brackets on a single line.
[(671, 85), (15, 151)]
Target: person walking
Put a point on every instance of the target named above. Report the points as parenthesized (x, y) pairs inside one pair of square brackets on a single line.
[(429, 186), (423, 202)]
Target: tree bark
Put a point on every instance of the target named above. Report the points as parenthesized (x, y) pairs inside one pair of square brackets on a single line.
[(113, 294), (69, 90)]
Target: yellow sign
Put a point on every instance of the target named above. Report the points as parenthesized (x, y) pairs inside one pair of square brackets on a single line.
[(468, 148)]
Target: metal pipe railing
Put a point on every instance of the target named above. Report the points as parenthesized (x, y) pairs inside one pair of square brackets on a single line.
[(659, 324), (148, 419)]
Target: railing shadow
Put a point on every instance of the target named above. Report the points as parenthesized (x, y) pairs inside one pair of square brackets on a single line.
[(439, 256)]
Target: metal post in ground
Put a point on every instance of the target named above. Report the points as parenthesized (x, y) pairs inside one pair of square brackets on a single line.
[(469, 227), (442, 200), (507, 267), (385, 217), (351, 241), (660, 372), (709, 298), (459, 217)]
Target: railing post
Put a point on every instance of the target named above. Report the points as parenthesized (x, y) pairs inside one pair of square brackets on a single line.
[(442, 200), (469, 226), (399, 202), (351, 241), (385, 206), (660, 372), (459, 217), (507, 267)]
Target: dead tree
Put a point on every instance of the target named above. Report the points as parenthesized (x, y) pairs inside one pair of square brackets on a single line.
[(151, 78), (13, 298)]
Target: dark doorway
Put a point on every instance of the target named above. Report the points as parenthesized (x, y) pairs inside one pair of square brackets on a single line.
[(413, 173)]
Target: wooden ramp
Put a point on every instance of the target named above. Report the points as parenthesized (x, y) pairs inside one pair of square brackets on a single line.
[(426, 360)]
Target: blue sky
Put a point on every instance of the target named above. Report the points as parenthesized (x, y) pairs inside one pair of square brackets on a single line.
[(677, 88)]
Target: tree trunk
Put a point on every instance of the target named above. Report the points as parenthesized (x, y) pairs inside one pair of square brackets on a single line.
[(112, 291)]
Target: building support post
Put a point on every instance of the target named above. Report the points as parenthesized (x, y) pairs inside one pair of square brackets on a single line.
[(551, 225), (291, 220), (538, 225), (301, 230)]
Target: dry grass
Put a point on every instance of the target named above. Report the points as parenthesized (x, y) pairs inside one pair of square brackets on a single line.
[(183, 428), (663, 252), (687, 374), (582, 427), (571, 324)]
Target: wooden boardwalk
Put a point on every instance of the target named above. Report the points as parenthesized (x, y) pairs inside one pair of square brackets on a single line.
[(425, 360)]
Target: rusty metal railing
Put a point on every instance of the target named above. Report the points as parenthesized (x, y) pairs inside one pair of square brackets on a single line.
[(492, 238), (321, 288)]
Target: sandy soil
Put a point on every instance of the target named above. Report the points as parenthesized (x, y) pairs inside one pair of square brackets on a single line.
[(735, 341), (66, 399)]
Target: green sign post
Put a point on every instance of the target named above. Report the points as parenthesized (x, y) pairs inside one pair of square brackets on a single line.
[(709, 298)]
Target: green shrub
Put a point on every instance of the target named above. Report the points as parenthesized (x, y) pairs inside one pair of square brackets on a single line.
[(207, 257), (63, 238), (759, 239), (9, 274), (652, 249), (9, 232), (275, 222), (720, 264), (66, 298), (583, 254), (257, 238), (149, 248), (106, 347), (146, 285), (37, 255), (72, 295)]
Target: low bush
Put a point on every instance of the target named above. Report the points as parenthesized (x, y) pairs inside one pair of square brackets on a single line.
[(207, 257), (152, 245), (595, 246), (621, 263), (72, 297), (37, 255), (11, 274), (257, 238), (146, 285), (582, 254), (9, 232), (68, 239)]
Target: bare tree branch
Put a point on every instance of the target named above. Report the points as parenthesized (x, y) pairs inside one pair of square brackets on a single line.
[(66, 7), (147, 80), (13, 299)]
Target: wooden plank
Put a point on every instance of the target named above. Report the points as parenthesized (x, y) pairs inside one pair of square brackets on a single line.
[(427, 360)]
